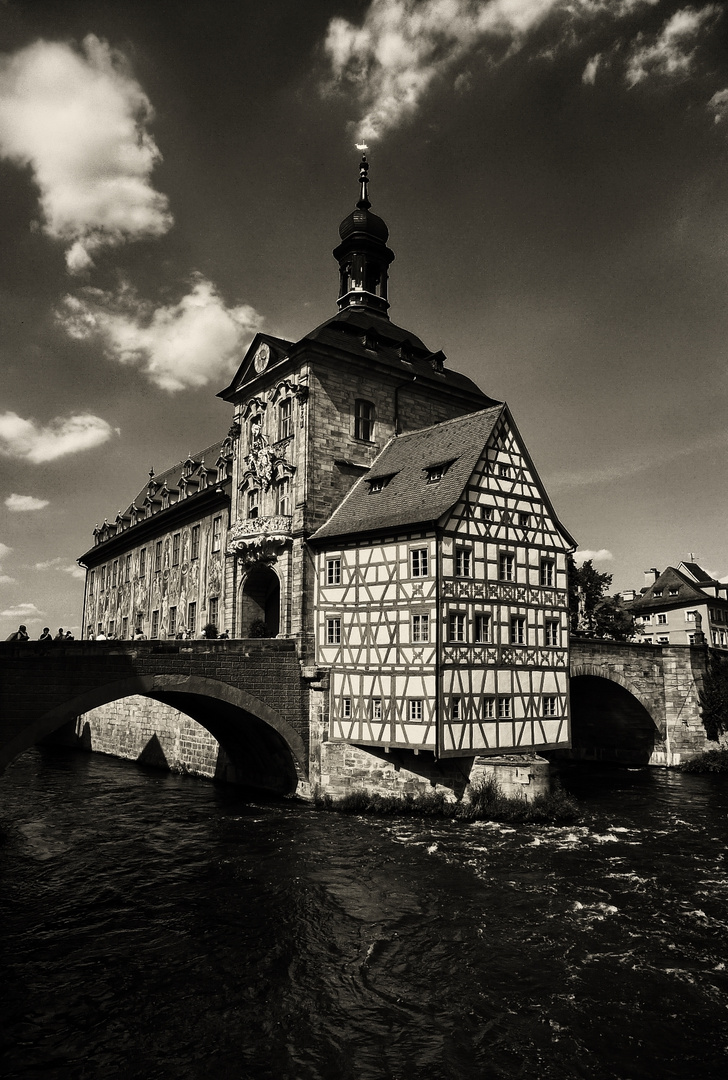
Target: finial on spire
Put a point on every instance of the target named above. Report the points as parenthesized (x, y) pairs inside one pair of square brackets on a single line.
[(363, 203)]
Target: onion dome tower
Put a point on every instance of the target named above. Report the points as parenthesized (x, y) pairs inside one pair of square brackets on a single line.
[(363, 255)]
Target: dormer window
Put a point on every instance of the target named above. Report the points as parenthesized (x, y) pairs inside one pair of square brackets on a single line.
[(189, 467), (203, 479), (436, 472), (378, 483), (222, 470), (657, 592), (364, 420)]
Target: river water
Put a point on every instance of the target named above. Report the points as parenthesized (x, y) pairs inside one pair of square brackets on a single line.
[(156, 926)]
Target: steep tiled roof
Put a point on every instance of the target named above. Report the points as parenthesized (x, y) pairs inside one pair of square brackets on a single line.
[(688, 591), (407, 498), (174, 474)]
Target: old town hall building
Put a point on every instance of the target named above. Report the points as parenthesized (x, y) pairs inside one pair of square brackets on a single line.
[(378, 508)]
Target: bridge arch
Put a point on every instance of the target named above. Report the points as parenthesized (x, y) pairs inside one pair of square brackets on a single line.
[(611, 717), (262, 746)]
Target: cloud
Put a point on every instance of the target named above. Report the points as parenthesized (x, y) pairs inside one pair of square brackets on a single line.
[(719, 105), (602, 555), (25, 612), (589, 73), (57, 564), (402, 46), (21, 503), (5, 579), (79, 119), (188, 344), (29, 441), (671, 52)]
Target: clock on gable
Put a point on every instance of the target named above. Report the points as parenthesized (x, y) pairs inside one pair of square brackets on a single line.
[(262, 356)]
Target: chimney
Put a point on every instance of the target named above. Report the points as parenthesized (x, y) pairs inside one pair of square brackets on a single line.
[(651, 576)]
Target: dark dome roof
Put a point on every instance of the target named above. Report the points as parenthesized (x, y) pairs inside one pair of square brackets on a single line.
[(364, 222)]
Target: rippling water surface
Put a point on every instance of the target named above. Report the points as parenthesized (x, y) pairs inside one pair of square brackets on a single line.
[(155, 926)]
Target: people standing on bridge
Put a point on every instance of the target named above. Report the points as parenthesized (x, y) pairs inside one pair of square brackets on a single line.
[(46, 635), (21, 634), (69, 636), (139, 634), (101, 636), (60, 636)]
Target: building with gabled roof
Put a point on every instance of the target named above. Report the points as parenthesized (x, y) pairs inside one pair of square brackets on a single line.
[(378, 508), (682, 605)]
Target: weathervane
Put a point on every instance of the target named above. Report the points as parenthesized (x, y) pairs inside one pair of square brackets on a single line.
[(363, 203)]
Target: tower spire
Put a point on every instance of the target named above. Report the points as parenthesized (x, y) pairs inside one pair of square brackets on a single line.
[(363, 255)]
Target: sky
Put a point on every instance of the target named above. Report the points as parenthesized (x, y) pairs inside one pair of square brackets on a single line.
[(554, 175)]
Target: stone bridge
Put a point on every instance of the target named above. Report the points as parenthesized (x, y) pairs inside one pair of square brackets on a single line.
[(249, 694), (636, 704)]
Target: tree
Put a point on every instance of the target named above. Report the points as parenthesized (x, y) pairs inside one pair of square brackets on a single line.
[(591, 610), (714, 696)]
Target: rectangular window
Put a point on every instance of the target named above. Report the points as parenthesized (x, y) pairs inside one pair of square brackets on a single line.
[(253, 500), (114, 573), (504, 708), (657, 592), (547, 573), (142, 562), (487, 513), (195, 542), (363, 420), (488, 708), (673, 592), (455, 709), (504, 470), (664, 640), (551, 632), (125, 628), (689, 616), (346, 710), (154, 632), (420, 627), (173, 622), (505, 566), (99, 629), (216, 533), (91, 579), (333, 631), (102, 579), (418, 558), (139, 621), (111, 628), (127, 569), (662, 618), (482, 628), (435, 473), (462, 562), (376, 708), (415, 709), (548, 705), (192, 618), (285, 418), (333, 571), (157, 556), (457, 626), (524, 520), (518, 630), (212, 610), (283, 497), (645, 618), (176, 542)]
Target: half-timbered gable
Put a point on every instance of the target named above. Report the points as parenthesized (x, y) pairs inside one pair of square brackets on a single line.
[(451, 631)]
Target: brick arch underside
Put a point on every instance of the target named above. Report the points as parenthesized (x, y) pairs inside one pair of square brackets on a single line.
[(611, 717), (264, 749)]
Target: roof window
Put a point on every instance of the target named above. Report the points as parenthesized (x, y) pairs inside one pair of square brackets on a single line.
[(436, 472), (378, 483)]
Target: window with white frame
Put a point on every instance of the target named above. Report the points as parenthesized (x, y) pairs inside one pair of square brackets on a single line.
[(518, 630), (216, 533), (154, 632), (346, 708), (415, 709), (551, 632), (548, 705), (376, 708), (547, 573), (482, 627), (421, 627), (419, 562), (253, 503), (333, 631), (488, 708), (504, 708), (463, 562), (283, 497), (192, 618), (506, 564), (456, 708), (285, 418), (689, 616), (456, 626), (333, 571), (661, 618)]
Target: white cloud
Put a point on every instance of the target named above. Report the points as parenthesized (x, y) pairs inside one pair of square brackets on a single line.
[(671, 52), (21, 503), (5, 579), (75, 571), (589, 73), (30, 441), (719, 105), (79, 119), (188, 344), (602, 555), (403, 46), (57, 564), (27, 613)]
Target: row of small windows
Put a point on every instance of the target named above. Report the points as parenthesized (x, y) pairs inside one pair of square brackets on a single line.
[(495, 707), (110, 576), (419, 566), (176, 622), (458, 629)]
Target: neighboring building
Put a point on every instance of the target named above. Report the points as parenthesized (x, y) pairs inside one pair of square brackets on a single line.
[(378, 508), (679, 603)]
